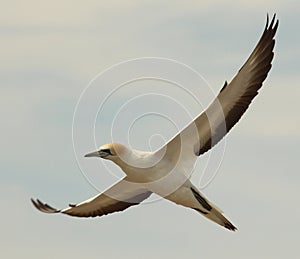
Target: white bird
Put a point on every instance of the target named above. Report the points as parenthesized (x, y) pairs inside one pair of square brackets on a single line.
[(166, 172)]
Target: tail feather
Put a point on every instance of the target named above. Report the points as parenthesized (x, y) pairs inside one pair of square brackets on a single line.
[(216, 216), (211, 211)]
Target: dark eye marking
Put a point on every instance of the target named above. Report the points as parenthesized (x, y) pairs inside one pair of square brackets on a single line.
[(107, 150)]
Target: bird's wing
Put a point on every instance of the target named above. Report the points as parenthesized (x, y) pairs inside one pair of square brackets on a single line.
[(230, 104), (118, 197)]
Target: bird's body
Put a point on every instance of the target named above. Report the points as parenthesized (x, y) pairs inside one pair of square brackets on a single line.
[(167, 171), (166, 179)]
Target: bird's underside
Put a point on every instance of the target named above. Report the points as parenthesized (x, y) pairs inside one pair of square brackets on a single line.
[(211, 126)]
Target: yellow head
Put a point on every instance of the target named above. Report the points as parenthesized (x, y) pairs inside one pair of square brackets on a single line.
[(109, 151)]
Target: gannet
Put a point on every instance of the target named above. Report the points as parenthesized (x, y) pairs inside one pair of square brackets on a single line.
[(166, 171)]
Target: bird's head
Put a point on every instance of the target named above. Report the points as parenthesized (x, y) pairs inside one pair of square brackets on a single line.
[(122, 156), (109, 151)]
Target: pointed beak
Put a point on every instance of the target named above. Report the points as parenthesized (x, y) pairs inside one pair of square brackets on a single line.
[(97, 154), (93, 154)]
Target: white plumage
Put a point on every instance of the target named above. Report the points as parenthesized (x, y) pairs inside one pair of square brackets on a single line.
[(166, 172)]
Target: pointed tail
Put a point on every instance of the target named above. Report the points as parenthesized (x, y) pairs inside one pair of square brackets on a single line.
[(211, 211), (217, 216)]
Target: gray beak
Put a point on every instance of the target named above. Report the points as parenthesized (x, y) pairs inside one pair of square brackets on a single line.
[(97, 154)]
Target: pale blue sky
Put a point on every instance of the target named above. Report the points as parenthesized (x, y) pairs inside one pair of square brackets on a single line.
[(51, 50)]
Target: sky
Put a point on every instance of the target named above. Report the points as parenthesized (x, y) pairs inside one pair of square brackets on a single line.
[(61, 61)]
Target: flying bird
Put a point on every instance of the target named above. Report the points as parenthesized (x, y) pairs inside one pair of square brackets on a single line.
[(166, 171)]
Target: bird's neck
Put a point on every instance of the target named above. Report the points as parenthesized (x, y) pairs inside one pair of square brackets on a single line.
[(134, 161)]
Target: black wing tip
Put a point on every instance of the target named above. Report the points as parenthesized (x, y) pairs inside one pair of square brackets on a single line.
[(272, 26), (43, 207), (267, 22)]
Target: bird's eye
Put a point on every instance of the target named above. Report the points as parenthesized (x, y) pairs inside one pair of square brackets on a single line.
[(107, 150)]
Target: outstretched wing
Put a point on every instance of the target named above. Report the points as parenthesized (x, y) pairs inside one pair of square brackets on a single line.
[(232, 101), (118, 197)]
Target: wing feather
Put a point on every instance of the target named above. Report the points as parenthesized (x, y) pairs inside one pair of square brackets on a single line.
[(118, 197), (232, 101)]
